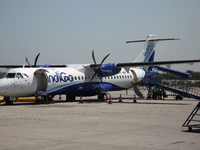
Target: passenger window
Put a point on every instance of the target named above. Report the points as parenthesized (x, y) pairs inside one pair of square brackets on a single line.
[(19, 75), (79, 78), (75, 78), (10, 75)]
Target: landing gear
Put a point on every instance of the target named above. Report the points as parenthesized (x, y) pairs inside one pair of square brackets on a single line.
[(8, 101), (70, 98), (102, 97)]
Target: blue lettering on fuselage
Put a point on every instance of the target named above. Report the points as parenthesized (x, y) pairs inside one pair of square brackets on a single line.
[(59, 77)]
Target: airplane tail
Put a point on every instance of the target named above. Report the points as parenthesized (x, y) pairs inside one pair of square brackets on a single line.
[(148, 52)]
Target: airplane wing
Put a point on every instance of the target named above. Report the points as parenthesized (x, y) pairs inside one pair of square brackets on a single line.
[(27, 66), (155, 63)]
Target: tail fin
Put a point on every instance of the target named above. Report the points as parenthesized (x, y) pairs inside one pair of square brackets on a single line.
[(148, 52)]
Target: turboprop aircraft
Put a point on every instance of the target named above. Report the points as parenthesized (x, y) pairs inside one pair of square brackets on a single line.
[(81, 79)]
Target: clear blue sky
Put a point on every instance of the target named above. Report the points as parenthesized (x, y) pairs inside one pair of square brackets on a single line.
[(66, 31)]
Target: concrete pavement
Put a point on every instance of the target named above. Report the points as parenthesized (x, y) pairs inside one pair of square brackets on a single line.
[(148, 124)]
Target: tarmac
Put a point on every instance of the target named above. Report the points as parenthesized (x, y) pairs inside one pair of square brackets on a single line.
[(94, 125)]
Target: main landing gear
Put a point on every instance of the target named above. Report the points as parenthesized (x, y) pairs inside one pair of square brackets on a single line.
[(102, 97), (70, 98)]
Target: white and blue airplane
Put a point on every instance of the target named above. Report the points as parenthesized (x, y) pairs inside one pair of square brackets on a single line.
[(80, 79)]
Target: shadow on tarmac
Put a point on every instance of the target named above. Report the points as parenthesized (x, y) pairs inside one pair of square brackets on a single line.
[(193, 131), (114, 100)]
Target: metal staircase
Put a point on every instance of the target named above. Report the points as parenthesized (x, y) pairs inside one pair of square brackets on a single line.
[(194, 118), (166, 82), (139, 90), (182, 91)]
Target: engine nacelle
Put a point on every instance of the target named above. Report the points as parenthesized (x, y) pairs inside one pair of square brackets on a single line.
[(109, 69)]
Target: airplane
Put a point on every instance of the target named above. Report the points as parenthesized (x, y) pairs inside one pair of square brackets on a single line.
[(73, 80)]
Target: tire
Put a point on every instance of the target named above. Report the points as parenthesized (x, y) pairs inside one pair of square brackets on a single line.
[(103, 97)]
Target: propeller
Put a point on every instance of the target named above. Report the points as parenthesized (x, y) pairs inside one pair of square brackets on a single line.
[(98, 71), (36, 58), (27, 61)]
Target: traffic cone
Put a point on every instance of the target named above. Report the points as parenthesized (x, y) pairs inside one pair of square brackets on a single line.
[(110, 101), (81, 99), (134, 101), (120, 98), (60, 98)]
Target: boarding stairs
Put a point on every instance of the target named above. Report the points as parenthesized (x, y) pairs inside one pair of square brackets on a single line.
[(194, 117), (169, 83), (139, 90), (184, 91), (162, 82)]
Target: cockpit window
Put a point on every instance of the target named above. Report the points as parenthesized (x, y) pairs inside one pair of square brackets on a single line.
[(19, 75), (10, 75), (25, 75)]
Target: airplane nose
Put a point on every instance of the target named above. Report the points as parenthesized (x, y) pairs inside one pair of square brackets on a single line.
[(1, 88)]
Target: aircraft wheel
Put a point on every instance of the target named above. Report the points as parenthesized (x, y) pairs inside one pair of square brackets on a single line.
[(8, 101), (70, 98), (103, 97)]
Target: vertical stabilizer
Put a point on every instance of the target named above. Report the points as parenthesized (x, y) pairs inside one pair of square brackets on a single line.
[(148, 50)]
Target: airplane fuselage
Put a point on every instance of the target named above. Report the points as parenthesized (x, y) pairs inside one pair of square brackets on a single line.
[(72, 80)]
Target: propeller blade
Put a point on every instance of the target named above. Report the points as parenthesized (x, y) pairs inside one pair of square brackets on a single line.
[(27, 61), (36, 59), (98, 70), (94, 58), (101, 81), (104, 59), (93, 76)]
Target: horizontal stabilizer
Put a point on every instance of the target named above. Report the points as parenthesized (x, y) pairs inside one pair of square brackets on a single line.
[(157, 40)]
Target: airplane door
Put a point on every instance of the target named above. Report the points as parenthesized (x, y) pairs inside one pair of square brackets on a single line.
[(41, 81)]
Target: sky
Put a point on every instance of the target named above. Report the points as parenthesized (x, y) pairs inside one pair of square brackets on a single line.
[(66, 31)]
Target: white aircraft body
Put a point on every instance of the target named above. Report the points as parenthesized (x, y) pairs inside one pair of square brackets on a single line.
[(81, 79)]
